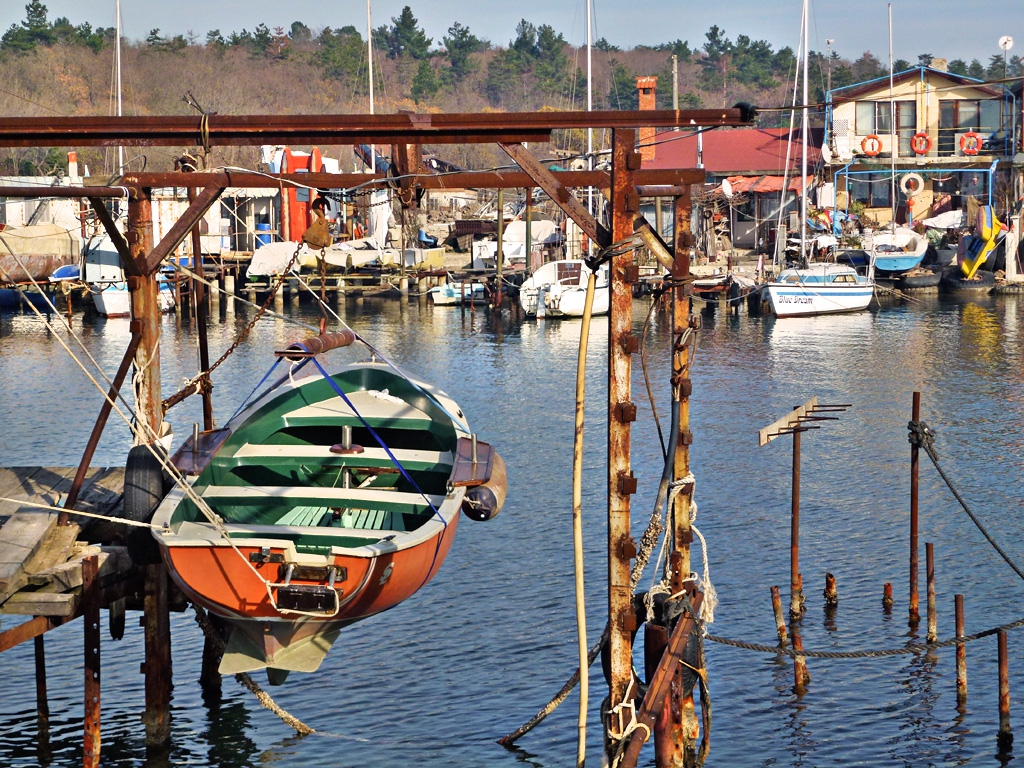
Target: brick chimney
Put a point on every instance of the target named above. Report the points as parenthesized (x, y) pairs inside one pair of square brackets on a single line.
[(646, 91)]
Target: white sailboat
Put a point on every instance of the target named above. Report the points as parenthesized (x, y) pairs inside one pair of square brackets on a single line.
[(559, 289), (822, 288)]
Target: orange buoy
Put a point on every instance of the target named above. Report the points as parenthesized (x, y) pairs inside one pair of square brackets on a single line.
[(921, 143), (871, 145)]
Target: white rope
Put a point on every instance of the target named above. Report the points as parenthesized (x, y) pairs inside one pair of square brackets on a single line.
[(108, 518)]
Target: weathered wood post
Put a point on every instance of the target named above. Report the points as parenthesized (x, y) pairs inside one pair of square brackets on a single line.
[(1005, 739), (42, 703), (780, 622), (961, 652), (796, 592), (621, 412), (145, 300), (933, 626), (157, 666)]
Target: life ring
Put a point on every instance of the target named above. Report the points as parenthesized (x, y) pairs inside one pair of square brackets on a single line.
[(871, 145), (970, 143), (911, 184), (921, 143)]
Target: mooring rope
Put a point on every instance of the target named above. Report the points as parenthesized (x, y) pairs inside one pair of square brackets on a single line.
[(922, 436)]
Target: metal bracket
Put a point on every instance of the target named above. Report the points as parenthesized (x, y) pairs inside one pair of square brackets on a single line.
[(626, 412), (627, 484), (630, 343)]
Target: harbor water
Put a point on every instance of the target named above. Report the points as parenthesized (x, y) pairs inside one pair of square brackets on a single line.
[(435, 681)]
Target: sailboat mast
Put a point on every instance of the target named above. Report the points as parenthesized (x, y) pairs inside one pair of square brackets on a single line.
[(117, 67), (893, 147), (590, 108), (369, 58), (803, 153)]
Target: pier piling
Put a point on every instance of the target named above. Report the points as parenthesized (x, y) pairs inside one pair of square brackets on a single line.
[(780, 622), (961, 652), (157, 667), (801, 677), (887, 598), (1005, 739), (830, 593), (933, 631), (914, 612), (91, 632), (796, 592)]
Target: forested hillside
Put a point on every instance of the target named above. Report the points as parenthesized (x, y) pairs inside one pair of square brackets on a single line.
[(51, 67)]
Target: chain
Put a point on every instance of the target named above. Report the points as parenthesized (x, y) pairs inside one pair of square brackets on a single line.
[(202, 379)]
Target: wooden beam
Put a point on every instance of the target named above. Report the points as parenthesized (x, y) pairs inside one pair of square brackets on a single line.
[(116, 238), (790, 420), (562, 197), (196, 210), (27, 631)]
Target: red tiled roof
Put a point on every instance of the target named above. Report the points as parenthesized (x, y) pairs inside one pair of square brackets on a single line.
[(766, 183), (758, 151)]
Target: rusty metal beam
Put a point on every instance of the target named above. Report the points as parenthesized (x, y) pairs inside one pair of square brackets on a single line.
[(252, 130), (30, 629), (560, 194), (491, 179), (128, 263), (145, 299), (91, 633), (621, 482), (41, 191), (195, 211)]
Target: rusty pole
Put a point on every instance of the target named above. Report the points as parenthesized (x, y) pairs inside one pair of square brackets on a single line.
[(621, 412), (157, 666), (91, 632), (830, 593), (887, 597), (796, 593), (915, 613), (801, 676), (1005, 739), (780, 622), (933, 630), (202, 317), (961, 651), (145, 308), (42, 703)]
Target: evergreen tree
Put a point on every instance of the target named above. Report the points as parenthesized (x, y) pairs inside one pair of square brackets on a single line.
[(900, 65), (623, 94), (459, 44), (340, 53), (300, 33), (262, 41), (958, 67), (405, 37), (215, 41), (975, 70), (867, 67), (924, 59), (605, 47), (426, 83), (34, 30), (551, 65)]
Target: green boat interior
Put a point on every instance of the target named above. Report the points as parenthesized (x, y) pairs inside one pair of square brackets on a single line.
[(304, 458)]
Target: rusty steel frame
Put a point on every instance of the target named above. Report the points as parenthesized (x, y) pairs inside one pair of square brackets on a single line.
[(249, 130)]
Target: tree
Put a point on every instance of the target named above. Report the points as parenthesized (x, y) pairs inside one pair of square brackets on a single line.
[(405, 37), (605, 47), (262, 41), (215, 41), (426, 83), (924, 59), (164, 44), (867, 67), (340, 53), (958, 67), (975, 70), (622, 94), (525, 43), (34, 30), (900, 65), (300, 33), (459, 44), (551, 67)]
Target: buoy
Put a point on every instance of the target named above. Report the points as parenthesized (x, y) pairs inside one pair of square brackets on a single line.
[(911, 184), (871, 145), (970, 143), (484, 502), (921, 143)]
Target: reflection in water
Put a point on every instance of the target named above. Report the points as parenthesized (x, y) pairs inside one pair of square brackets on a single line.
[(436, 680)]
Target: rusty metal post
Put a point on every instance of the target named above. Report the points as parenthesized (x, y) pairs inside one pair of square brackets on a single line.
[(91, 632), (780, 622), (801, 677), (796, 594), (961, 651), (830, 592), (1005, 739), (145, 300), (887, 598), (915, 613), (157, 666), (529, 225), (202, 317), (933, 630), (621, 483)]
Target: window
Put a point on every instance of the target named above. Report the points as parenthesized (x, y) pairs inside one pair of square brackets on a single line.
[(871, 189), (875, 117), (962, 115)]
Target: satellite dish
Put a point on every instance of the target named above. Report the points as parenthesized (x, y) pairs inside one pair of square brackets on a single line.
[(1006, 42), (726, 188)]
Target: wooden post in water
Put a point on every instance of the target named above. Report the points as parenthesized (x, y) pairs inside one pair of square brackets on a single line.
[(887, 598), (1005, 740), (145, 298), (622, 620), (830, 593), (933, 627), (91, 632), (42, 704), (915, 613), (780, 622), (796, 592), (157, 666), (961, 652), (801, 677)]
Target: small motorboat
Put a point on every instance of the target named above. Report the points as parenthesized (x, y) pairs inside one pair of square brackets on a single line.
[(467, 292), (559, 289)]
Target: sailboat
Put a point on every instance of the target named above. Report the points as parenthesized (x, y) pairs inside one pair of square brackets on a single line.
[(817, 288)]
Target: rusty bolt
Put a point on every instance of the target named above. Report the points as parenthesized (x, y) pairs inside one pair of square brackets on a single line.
[(685, 437), (626, 412)]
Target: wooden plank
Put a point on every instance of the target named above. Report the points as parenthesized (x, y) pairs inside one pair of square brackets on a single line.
[(62, 604), (113, 563), (301, 495), (20, 538), (27, 631), (13, 484), (788, 421)]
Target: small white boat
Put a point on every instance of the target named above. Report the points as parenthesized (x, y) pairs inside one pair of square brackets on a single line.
[(459, 293), (821, 289), (114, 300), (559, 289)]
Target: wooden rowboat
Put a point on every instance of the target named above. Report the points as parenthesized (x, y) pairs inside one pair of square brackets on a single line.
[(329, 498)]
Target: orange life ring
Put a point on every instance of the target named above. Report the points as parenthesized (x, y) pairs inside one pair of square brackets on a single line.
[(970, 143), (871, 145), (921, 143)]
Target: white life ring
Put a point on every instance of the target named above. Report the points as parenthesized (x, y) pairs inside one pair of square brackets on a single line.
[(911, 184)]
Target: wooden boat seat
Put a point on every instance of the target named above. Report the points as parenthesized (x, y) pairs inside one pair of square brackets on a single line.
[(254, 454), (312, 496), (377, 410), (362, 519)]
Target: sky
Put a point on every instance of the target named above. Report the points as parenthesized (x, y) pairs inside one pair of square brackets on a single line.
[(942, 28)]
